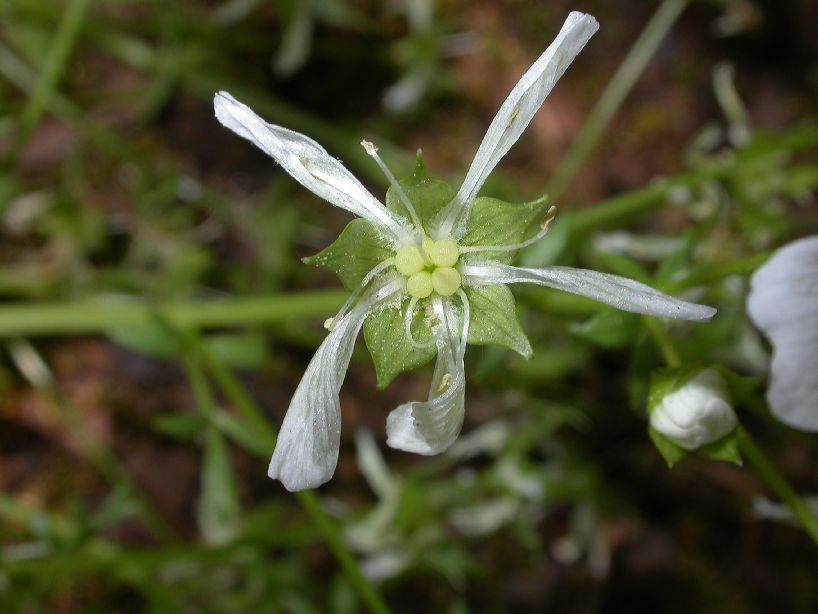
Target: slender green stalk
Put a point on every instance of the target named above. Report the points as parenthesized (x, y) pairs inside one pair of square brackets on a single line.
[(236, 394), (779, 485), (53, 66), (710, 273), (90, 317), (615, 93), (332, 536), (663, 342)]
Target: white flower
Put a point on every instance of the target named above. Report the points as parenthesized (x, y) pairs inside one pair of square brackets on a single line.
[(428, 267), (697, 413), (783, 303)]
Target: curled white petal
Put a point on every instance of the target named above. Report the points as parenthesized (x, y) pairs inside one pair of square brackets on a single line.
[(431, 426), (696, 414), (620, 292), (783, 303), (307, 162), (518, 110), (307, 449)]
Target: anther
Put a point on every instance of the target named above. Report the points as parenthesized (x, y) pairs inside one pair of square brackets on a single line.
[(445, 382)]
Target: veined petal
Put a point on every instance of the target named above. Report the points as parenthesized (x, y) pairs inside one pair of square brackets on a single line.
[(307, 449), (518, 110), (307, 162), (430, 427), (620, 292), (783, 303)]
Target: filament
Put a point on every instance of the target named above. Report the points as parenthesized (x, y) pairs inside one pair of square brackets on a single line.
[(407, 322), (332, 323), (544, 226), (372, 150)]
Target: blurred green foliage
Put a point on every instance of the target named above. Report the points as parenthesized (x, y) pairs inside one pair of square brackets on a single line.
[(119, 193)]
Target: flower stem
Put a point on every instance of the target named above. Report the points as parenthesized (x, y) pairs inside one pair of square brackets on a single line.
[(87, 317), (663, 342), (615, 93), (778, 484), (237, 395)]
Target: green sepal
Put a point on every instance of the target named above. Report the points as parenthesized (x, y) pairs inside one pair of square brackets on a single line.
[(739, 387), (609, 328), (428, 195), (671, 452), (496, 222), (725, 449), (356, 251), (391, 351), (666, 381), (494, 319)]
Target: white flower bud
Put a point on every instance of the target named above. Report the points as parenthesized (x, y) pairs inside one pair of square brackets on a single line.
[(696, 414)]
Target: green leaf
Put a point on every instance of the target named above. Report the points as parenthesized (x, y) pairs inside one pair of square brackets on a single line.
[(242, 350), (218, 508), (609, 328), (671, 452), (496, 222), (179, 425), (494, 319), (357, 250), (428, 195), (675, 265), (725, 449), (739, 387), (391, 351), (152, 339), (241, 432)]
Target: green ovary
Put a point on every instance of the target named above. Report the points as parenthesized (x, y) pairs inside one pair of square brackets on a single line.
[(430, 268)]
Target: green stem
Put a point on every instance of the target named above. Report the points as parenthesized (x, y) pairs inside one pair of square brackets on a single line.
[(374, 602), (236, 394), (618, 88), (52, 67), (663, 341), (707, 274), (94, 317), (779, 485)]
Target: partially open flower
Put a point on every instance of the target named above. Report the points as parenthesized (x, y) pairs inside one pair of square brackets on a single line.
[(697, 413), (428, 273), (783, 303)]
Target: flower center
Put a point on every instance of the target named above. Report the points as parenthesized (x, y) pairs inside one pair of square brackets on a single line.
[(429, 267)]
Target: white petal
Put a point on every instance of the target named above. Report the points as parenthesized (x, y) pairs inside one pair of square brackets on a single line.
[(783, 303), (430, 427), (307, 162), (307, 449), (696, 414), (613, 290), (520, 107)]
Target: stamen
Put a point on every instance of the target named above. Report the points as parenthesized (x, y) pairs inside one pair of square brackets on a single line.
[(332, 323), (445, 381), (372, 150), (407, 322), (464, 335), (544, 225)]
